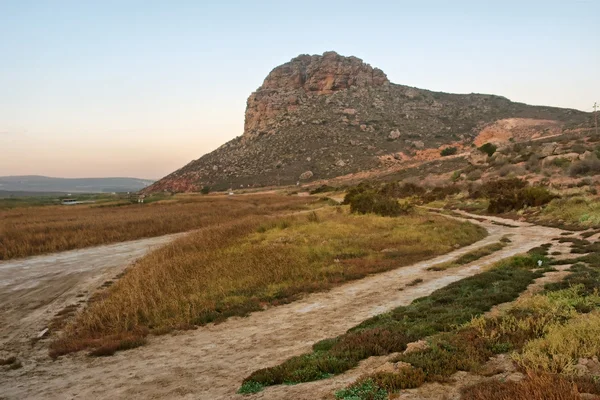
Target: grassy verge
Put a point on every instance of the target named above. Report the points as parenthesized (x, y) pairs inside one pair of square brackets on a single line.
[(471, 256), (441, 311), (240, 266), (36, 230)]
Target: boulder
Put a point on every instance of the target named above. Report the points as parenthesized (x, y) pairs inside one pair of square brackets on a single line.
[(395, 134), (306, 175), (548, 149)]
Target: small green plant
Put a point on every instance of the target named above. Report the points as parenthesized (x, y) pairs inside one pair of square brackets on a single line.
[(362, 390), (250, 387), (205, 190), (448, 151), (488, 148)]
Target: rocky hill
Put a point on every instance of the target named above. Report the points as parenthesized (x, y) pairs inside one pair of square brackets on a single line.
[(322, 116)]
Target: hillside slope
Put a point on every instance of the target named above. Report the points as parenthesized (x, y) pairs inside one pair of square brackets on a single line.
[(318, 117)]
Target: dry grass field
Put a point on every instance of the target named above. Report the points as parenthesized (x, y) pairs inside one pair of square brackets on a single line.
[(27, 231), (245, 264)]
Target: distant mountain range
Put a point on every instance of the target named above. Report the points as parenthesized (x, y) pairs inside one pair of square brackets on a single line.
[(35, 183)]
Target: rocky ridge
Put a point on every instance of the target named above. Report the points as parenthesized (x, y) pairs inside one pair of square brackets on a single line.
[(321, 116)]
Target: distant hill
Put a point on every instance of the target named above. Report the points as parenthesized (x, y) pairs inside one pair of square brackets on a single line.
[(44, 184), (325, 116)]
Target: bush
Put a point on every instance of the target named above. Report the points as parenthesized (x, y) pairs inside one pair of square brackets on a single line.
[(590, 166), (511, 194), (448, 151), (357, 190), (372, 202), (488, 148), (205, 190), (519, 199)]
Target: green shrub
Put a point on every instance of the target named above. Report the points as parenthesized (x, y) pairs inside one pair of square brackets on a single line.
[(376, 203), (357, 190), (511, 194), (448, 151), (405, 378), (250, 387), (205, 190), (488, 148)]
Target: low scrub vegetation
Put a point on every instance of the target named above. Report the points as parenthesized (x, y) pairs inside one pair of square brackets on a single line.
[(439, 312), (533, 387), (576, 211), (448, 151), (511, 194), (37, 230), (547, 335), (488, 148), (369, 199), (589, 166), (239, 266)]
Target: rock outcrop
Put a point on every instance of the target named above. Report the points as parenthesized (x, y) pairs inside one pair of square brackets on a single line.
[(292, 84), (332, 115)]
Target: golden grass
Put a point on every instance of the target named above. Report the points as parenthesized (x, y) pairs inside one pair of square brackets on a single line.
[(239, 266), (563, 346), (36, 230)]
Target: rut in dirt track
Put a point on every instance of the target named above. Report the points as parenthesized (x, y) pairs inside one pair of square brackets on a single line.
[(210, 362)]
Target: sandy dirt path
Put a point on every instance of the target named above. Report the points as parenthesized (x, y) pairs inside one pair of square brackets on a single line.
[(211, 362), (34, 289)]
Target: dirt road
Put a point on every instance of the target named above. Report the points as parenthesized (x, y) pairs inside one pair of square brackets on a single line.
[(210, 362), (34, 289)]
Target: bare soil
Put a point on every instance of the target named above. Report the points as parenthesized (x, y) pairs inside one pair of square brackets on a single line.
[(209, 362)]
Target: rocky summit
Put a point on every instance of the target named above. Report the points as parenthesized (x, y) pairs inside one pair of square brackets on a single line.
[(323, 116)]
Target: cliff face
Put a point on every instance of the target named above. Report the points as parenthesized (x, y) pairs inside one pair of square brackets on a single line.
[(291, 84), (322, 116)]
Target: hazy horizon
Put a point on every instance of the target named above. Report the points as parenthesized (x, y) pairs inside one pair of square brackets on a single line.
[(139, 89)]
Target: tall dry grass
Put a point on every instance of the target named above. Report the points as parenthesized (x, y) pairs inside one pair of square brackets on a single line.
[(36, 230), (238, 266)]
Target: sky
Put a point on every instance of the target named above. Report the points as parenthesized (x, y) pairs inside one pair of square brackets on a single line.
[(140, 88)]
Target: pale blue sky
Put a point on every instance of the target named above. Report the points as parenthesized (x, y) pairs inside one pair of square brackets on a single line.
[(140, 88)]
